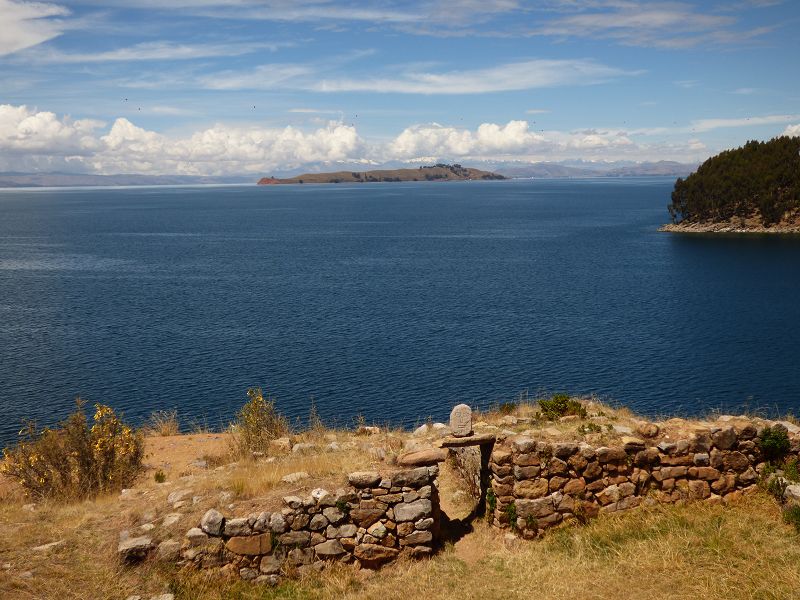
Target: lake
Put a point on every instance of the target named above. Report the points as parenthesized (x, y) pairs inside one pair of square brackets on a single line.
[(393, 301)]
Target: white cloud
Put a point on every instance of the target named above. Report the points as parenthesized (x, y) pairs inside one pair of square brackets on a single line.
[(525, 75), (25, 130), (32, 140), (149, 51), (709, 124), (792, 130), (651, 24), (26, 24), (490, 140)]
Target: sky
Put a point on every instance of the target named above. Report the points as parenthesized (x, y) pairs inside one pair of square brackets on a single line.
[(229, 87)]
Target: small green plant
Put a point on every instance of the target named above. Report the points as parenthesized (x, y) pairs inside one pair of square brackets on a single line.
[(561, 405), (790, 470), (491, 504), (609, 427), (531, 523), (774, 443), (776, 487), (256, 425), (344, 507), (792, 516), (160, 476), (511, 515), (768, 470)]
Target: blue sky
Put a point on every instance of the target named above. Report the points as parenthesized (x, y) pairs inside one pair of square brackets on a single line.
[(240, 86)]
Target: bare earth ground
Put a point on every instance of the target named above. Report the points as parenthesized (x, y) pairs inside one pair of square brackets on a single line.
[(68, 551)]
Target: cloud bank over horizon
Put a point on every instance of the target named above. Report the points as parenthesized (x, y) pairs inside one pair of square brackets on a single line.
[(40, 141)]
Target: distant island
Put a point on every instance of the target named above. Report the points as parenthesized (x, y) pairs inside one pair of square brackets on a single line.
[(437, 172), (752, 189)]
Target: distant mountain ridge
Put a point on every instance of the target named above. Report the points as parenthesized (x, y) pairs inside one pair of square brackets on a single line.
[(26, 180), (663, 168)]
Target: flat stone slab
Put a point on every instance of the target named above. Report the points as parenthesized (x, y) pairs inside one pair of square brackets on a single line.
[(429, 456), (477, 439)]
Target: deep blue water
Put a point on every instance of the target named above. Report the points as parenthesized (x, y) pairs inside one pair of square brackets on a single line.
[(391, 300)]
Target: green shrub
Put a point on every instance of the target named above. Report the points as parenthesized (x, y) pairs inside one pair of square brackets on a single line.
[(774, 443), (561, 405), (792, 516), (76, 460), (160, 476), (256, 425)]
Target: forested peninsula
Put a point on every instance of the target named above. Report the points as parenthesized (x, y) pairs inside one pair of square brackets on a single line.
[(755, 188), (437, 172)]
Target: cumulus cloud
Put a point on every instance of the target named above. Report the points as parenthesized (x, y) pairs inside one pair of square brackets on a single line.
[(32, 140), (38, 140), (23, 129), (792, 130), (26, 24)]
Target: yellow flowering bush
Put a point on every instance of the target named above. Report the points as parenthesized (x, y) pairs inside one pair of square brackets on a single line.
[(77, 459), (256, 425)]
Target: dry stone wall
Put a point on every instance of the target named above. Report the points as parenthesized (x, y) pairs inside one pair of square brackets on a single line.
[(539, 484), (373, 521)]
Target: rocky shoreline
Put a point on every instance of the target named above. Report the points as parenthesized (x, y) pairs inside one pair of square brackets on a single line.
[(728, 227)]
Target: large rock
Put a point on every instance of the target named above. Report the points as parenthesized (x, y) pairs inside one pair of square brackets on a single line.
[(212, 522), (792, 494), (374, 555), (412, 511), (461, 421), (251, 545), (430, 456), (725, 438), (169, 550), (412, 478), (364, 517), (234, 527), (329, 549), (300, 539), (296, 477), (364, 479), (135, 549)]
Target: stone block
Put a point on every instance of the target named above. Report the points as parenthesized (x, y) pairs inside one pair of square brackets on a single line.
[(461, 421)]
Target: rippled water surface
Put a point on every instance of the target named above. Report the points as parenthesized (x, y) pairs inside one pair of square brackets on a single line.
[(390, 300)]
